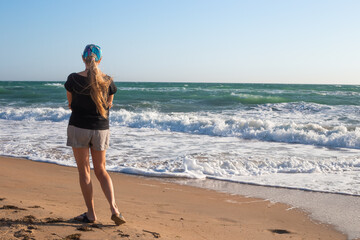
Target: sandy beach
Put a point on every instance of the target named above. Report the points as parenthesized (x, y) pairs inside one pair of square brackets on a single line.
[(38, 201)]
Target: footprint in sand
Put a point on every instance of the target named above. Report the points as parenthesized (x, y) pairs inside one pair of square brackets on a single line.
[(25, 234), (122, 234), (85, 228), (155, 234), (75, 236), (12, 207), (279, 231)]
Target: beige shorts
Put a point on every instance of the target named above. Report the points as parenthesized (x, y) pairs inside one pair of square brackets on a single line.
[(87, 138)]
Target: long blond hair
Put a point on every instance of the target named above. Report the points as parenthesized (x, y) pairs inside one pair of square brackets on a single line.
[(99, 86)]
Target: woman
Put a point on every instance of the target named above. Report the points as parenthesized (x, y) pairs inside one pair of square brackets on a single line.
[(90, 95)]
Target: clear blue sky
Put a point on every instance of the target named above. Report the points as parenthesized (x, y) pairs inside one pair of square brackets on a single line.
[(269, 41)]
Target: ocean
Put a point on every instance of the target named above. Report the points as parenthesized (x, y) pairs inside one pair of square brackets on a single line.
[(293, 136)]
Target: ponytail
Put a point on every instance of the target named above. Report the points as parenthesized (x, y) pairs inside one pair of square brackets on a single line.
[(99, 87)]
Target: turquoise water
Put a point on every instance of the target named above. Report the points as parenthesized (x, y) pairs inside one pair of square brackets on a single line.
[(297, 136), (183, 97), (330, 105)]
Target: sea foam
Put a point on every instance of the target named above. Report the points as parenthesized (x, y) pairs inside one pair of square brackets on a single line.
[(212, 124), (292, 136)]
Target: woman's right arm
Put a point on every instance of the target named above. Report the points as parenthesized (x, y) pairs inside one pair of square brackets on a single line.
[(110, 101), (69, 98)]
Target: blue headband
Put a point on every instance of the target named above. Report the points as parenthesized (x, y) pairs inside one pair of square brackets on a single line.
[(92, 48)]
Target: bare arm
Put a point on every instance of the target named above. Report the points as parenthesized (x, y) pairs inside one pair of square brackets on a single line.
[(110, 100), (69, 98)]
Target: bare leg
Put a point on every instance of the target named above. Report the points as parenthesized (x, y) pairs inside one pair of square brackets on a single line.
[(99, 160), (82, 160)]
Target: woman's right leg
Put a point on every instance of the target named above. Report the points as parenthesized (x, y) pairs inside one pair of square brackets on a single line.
[(83, 164), (99, 160)]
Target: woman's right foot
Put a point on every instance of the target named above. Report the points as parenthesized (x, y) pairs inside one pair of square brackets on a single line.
[(118, 219), (114, 209)]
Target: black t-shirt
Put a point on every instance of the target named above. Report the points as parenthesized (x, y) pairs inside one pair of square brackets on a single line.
[(84, 112)]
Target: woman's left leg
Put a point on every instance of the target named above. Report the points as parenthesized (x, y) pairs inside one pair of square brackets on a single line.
[(82, 161), (99, 160)]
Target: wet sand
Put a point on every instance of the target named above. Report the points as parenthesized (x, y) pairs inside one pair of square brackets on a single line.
[(340, 210), (39, 200)]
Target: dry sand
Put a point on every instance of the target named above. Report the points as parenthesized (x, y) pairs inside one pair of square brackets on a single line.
[(39, 200)]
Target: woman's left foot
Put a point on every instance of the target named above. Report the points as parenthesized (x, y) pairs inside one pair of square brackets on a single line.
[(83, 218)]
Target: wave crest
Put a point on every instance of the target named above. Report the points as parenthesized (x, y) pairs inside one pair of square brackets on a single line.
[(35, 114), (212, 124), (246, 128)]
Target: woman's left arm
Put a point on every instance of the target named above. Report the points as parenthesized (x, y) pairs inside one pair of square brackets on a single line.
[(69, 98)]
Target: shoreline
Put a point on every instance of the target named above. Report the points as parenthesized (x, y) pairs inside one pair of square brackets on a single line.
[(323, 207), (150, 206)]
